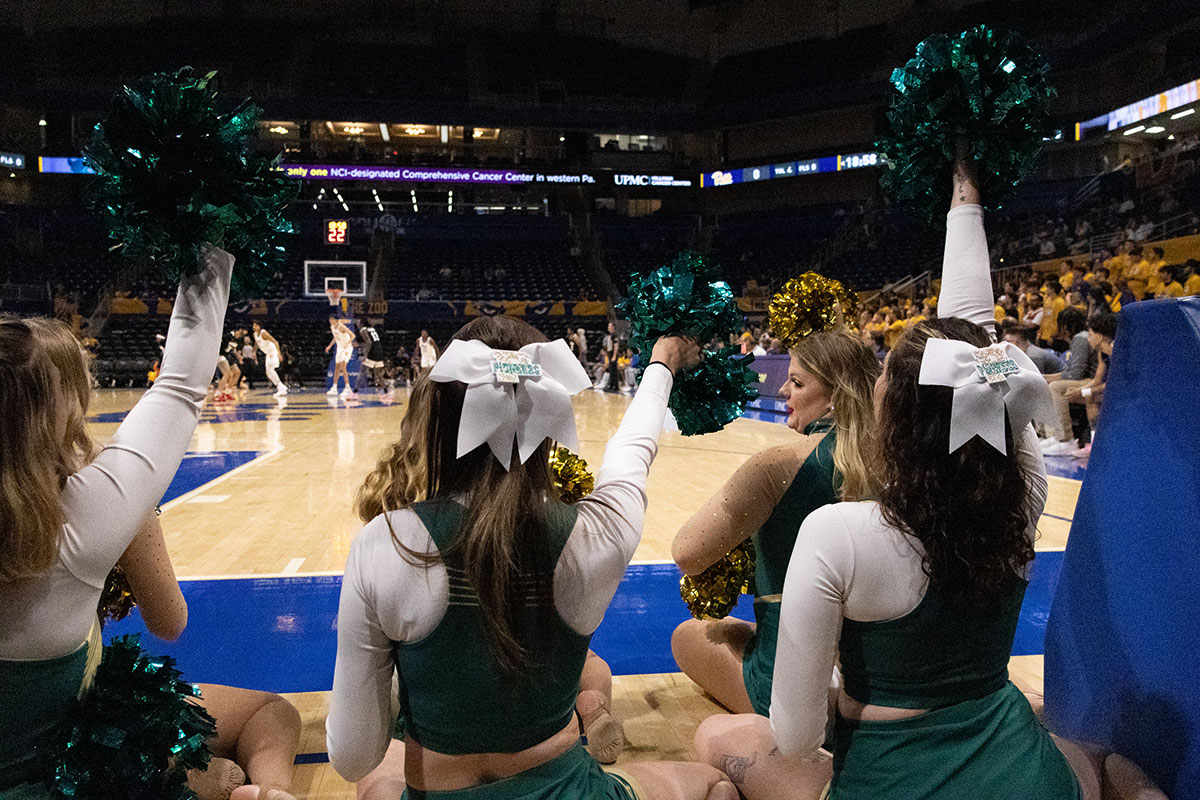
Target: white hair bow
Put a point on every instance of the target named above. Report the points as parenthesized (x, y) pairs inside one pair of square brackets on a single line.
[(524, 394), (987, 382)]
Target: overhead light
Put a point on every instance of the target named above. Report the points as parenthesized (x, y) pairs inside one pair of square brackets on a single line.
[(415, 130), (384, 132), (279, 129), (444, 133), (345, 206), (380, 205), (451, 192), (1176, 115), (353, 130), (1138, 129), (643, 136), (476, 134), (1155, 129), (562, 138), (1171, 137), (415, 207), (13, 175), (314, 206), (42, 122)]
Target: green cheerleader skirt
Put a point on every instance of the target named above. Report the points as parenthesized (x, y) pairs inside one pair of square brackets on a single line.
[(574, 775), (992, 748), (758, 658)]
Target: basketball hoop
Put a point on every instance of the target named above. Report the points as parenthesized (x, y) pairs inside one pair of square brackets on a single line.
[(334, 295)]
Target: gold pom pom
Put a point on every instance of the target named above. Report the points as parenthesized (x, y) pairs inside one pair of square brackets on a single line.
[(571, 476), (713, 593), (117, 600), (808, 304)]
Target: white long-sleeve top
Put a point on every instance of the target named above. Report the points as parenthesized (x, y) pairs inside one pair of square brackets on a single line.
[(385, 598), (106, 502), (848, 562)]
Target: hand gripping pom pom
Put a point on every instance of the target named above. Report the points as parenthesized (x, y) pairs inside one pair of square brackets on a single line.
[(986, 90), (714, 592), (686, 299), (808, 304), (117, 600), (135, 734), (173, 174), (571, 476)]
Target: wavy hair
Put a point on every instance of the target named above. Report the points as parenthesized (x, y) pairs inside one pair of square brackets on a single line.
[(972, 509), (44, 391), (503, 544), (848, 369)]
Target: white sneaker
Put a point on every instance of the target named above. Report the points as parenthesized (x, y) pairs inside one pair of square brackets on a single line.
[(332, 391), (1049, 441), (281, 391), (1061, 449)]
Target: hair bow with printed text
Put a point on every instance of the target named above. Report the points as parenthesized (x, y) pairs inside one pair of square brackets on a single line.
[(987, 383), (523, 394)]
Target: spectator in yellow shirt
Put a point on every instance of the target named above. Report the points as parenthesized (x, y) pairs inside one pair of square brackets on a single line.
[(1166, 285), (1139, 273), (893, 331), (1054, 303), (1067, 275), (1118, 264), (1191, 280)]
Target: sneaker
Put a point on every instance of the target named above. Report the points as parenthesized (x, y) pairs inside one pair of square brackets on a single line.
[(332, 391), (1049, 441), (1060, 449), (281, 391)]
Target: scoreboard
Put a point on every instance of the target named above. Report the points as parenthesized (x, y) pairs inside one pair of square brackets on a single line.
[(337, 231)]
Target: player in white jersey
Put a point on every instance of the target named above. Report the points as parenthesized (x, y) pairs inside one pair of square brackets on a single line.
[(270, 350), (343, 337), (427, 349)]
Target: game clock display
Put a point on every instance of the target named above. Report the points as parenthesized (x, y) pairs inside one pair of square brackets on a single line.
[(337, 231)]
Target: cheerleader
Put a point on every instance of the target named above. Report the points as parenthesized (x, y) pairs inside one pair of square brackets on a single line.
[(481, 591), (919, 591), (66, 516), (343, 338), (828, 394), (270, 350)]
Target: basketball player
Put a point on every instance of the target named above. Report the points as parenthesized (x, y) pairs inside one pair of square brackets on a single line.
[(270, 350), (428, 351), (369, 344), (343, 337)]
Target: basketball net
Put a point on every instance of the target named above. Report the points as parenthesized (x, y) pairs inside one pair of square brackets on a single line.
[(335, 296)]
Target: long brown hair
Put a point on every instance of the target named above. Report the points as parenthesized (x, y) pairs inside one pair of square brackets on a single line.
[(848, 369), (44, 391), (503, 546), (971, 510)]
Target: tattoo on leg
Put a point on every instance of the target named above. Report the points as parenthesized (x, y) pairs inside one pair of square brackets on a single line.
[(735, 767)]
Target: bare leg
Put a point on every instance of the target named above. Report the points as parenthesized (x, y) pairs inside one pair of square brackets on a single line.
[(677, 780), (743, 747), (1124, 780), (710, 653), (258, 730), (605, 735), (385, 782), (1086, 762)]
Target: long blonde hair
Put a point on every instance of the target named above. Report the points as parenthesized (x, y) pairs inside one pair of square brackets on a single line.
[(848, 369), (504, 543), (43, 382)]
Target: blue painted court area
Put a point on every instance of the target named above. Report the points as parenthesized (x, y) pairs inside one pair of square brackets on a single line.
[(198, 469), (280, 634)]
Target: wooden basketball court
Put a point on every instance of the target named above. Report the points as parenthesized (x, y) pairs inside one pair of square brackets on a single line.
[(286, 509)]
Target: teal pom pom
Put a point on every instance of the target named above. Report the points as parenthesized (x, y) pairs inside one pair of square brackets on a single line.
[(708, 397), (173, 174), (685, 298), (985, 89), (135, 734)]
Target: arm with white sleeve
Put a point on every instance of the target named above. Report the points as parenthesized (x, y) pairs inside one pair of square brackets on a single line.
[(107, 501), (966, 269), (609, 526)]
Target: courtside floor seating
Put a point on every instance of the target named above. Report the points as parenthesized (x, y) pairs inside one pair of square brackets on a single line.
[(1123, 639)]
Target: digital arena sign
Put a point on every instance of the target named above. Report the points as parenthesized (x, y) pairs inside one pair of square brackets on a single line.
[(789, 169)]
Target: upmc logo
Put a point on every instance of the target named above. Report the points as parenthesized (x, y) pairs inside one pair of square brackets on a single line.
[(631, 180)]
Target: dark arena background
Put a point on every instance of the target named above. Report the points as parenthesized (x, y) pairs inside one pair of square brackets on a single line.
[(454, 159)]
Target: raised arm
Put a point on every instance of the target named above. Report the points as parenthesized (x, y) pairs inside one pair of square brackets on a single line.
[(966, 268), (740, 508), (108, 500), (612, 516)]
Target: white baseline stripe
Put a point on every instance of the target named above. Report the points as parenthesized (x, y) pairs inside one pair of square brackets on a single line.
[(293, 566), (186, 496)]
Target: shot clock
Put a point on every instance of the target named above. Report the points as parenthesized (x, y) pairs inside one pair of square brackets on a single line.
[(337, 231)]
